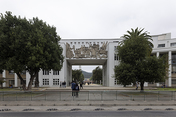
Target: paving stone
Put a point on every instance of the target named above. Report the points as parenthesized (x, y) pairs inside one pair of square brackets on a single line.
[(97, 109), (75, 109)]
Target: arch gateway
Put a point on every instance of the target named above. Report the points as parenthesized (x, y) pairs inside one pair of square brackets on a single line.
[(97, 52)]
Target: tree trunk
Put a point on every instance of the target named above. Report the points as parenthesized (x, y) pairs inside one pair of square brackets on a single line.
[(142, 86), (36, 81), (23, 82), (33, 75), (1, 85)]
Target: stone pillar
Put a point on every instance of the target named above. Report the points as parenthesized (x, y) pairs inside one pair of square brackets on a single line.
[(170, 69), (27, 78), (4, 75), (16, 80), (51, 78), (40, 74), (103, 75), (157, 55)]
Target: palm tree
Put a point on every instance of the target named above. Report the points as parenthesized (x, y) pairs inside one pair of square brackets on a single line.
[(139, 34)]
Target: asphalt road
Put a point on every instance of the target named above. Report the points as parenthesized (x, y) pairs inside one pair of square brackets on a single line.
[(91, 114)]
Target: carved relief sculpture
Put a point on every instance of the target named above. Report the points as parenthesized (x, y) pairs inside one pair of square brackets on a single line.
[(93, 51)]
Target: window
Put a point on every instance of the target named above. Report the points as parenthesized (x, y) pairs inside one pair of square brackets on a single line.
[(97, 42), (101, 42), (45, 81), (45, 72), (161, 45), (74, 42), (116, 57), (82, 42), (70, 42), (173, 44), (11, 72), (55, 81), (173, 68), (11, 82), (78, 42), (173, 81), (55, 72), (115, 48)]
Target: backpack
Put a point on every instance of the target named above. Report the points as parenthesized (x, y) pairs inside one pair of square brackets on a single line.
[(76, 87)]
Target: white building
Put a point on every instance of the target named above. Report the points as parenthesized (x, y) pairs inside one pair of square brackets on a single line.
[(98, 52)]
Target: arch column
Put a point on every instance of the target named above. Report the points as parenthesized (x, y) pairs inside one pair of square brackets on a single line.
[(4, 75), (170, 68), (157, 55), (16, 80)]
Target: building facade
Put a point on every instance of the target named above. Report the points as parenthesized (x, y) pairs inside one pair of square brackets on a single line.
[(97, 52)]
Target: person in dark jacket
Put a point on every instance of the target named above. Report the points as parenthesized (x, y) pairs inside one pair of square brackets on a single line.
[(77, 89), (73, 86), (81, 86)]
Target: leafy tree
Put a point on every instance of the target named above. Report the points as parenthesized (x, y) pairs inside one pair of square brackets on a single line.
[(28, 45), (97, 75), (2, 81), (136, 63), (77, 75)]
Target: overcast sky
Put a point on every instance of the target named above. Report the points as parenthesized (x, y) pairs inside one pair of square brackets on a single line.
[(89, 19)]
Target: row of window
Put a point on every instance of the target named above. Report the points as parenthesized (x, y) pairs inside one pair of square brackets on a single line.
[(163, 45), (86, 42), (46, 81), (45, 72)]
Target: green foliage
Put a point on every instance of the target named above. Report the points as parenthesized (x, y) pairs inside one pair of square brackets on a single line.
[(97, 75), (125, 74), (28, 45), (77, 75), (2, 81), (136, 63)]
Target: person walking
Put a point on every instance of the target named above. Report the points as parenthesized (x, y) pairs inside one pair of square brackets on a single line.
[(77, 90), (137, 85), (81, 85), (73, 86), (60, 84)]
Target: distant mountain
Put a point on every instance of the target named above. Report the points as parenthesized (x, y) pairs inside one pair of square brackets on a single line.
[(87, 74)]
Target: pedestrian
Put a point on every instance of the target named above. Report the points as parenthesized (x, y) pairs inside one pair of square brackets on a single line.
[(64, 83), (60, 84), (81, 85), (73, 86), (77, 90), (137, 84)]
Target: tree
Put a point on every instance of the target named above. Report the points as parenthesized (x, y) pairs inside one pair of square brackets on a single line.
[(2, 81), (135, 64), (28, 45), (77, 75), (97, 75)]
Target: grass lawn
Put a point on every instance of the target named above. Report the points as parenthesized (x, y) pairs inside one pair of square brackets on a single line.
[(166, 89), (9, 89)]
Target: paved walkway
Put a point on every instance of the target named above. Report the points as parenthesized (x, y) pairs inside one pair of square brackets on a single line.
[(92, 87)]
